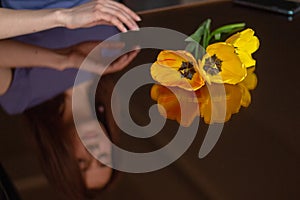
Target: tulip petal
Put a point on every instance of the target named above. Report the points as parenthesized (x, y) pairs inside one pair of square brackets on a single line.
[(245, 44), (231, 69), (167, 70)]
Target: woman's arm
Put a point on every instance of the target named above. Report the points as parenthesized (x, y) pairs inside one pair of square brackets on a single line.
[(5, 80), (19, 22), (26, 55)]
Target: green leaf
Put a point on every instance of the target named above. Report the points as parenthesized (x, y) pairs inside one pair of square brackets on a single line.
[(191, 46), (227, 29), (203, 36), (197, 35), (217, 36), (206, 34)]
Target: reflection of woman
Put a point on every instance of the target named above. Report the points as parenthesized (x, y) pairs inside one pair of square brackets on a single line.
[(27, 56), (66, 162), (17, 73), (22, 17)]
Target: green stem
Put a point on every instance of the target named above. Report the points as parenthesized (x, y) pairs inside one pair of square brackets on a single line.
[(197, 52), (206, 34), (226, 29)]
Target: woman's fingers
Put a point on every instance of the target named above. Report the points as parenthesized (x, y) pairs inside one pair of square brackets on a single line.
[(113, 20), (86, 47), (110, 44), (122, 62), (122, 16), (102, 12), (117, 15), (126, 10)]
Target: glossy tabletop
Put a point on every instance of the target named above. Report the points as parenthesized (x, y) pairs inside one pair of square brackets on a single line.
[(257, 155)]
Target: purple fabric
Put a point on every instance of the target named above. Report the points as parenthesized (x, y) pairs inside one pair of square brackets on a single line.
[(62, 37), (40, 4), (32, 86)]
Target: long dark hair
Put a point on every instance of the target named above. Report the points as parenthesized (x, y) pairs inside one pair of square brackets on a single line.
[(55, 149), (54, 142)]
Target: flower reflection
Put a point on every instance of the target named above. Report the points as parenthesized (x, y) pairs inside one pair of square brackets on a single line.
[(237, 96), (170, 106)]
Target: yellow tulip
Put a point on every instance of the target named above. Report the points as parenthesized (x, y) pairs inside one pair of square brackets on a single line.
[(245, 43), (221, 64)]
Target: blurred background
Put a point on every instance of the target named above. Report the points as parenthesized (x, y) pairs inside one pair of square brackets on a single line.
[(139, 5)]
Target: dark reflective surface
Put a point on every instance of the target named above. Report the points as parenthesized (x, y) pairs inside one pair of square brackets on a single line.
[(256, 157)]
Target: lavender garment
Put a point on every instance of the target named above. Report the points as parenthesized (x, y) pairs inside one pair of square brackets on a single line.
[(32, 86), (40, 4)]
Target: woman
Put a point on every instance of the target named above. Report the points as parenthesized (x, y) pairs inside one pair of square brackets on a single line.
[(67, 164), (23, 17)]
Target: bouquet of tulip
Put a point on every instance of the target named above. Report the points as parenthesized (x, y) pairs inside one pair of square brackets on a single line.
[(228, 62)]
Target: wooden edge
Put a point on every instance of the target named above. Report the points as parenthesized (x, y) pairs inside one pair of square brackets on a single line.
[(185, 5)]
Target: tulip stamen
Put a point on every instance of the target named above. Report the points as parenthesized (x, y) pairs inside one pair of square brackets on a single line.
[(187, 70), (213, 65)]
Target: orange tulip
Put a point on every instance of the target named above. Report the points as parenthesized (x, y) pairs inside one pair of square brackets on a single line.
[(173, 103), (177, 68)]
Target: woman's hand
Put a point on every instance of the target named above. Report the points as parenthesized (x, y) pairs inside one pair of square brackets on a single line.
[(26, 55), (78, 56), (99, 12)]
